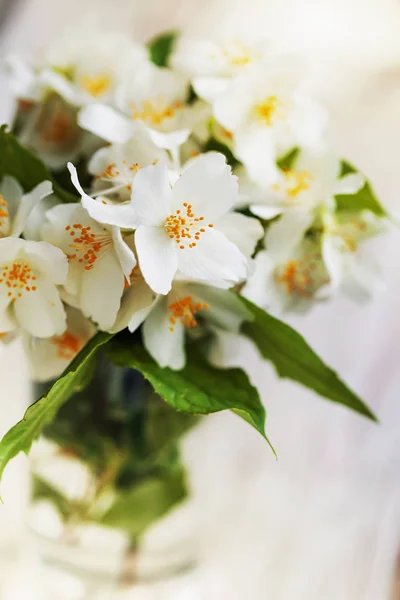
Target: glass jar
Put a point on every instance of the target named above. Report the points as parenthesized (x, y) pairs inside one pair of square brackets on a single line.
[(106, 472)]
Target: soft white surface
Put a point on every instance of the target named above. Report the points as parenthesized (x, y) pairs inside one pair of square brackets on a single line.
[(323, 521)]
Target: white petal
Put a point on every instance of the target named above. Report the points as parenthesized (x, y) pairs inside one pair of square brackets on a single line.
[(157, 257), (333, 259), (33, 227), (265, 212), (125, 255), (242, 231), (104, 211), (256, 149), (210, 88), (28, 203), (48, 259), (50, 79), (165, 346), (349, 184), (224, 308), (151, 195), (102, 289), (41, 312), (231, 108), (136, 304), (286, 233), (12, 193), (169, 141), (208, 185), (259, 287), (214, 258), (106, 123), (10, 247), (308, 121)]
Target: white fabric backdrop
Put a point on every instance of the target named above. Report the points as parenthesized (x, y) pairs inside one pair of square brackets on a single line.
[(323, 521)]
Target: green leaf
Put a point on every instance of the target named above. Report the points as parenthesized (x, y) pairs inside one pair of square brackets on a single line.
[(27, 168), (287, 160), (20, 437), (198, 388), (293, 358), (135, 510), (364, 199), (214, 145), (161, 47)]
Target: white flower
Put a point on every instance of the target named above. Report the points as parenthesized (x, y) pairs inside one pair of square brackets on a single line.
[(16, 207), (48, 357), (268, 114), (211, 64), (176, 226), (50, 128), (81, 67), (313, 180), (100, 261), (290, 273), (187, 306), (153, 98), (114, 168), (29, 275), (350, 267)]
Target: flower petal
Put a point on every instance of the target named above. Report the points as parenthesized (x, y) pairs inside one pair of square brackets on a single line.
[(104, 211), (165, 346), (106, 123), (224, 308), (169, 141), (48, 259), (151, 195), (256, 149), (157, 257), (349, 184), (266, 212), (242, 231), (41, 312), (285, 234), (125, 255), (102, 289), (136, 304), (214, 258), (208, 185), (28, 203)]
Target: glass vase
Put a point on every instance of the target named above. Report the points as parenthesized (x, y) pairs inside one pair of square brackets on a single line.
[(105, 474)]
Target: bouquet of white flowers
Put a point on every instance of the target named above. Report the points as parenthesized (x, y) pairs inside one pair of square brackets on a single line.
[(152, 199)]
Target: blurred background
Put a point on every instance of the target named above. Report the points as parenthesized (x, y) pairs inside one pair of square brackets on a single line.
[(323, 521)]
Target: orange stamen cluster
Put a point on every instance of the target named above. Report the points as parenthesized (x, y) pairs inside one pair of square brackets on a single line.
[(296, 182), (184, 227), (18, 277), (3, 210), (109, 172), (97, 85), (269, 110), (87, 245), (237, 54), (184, 311), (297, 278), (68, 345), (155, 112)]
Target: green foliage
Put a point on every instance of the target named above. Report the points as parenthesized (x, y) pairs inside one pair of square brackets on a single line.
[(287, 160), (198, 388), (294, 359), (364, 199), (23, 434), (137, 508), (161, 47), (27, 168)]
